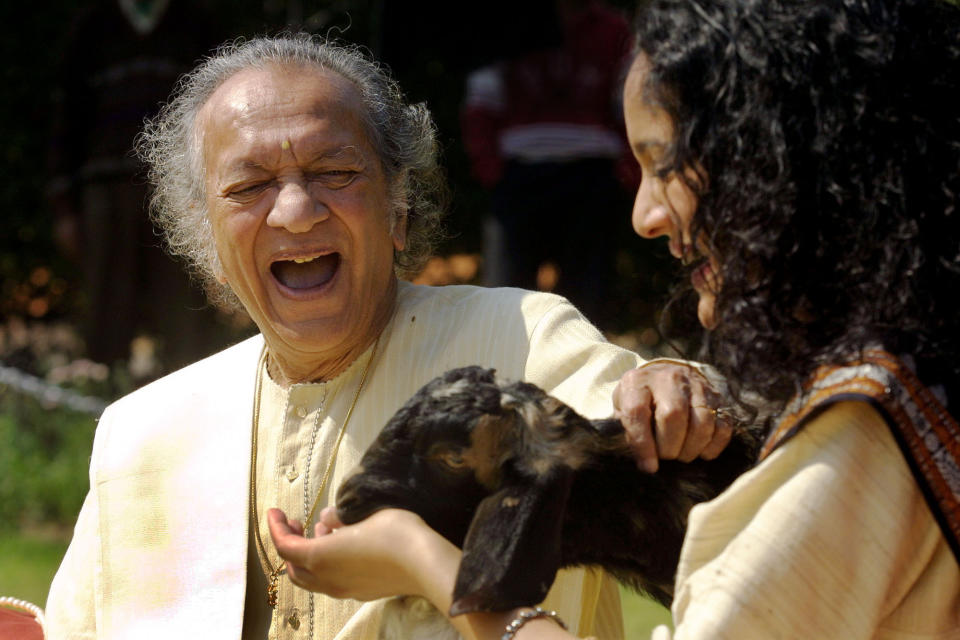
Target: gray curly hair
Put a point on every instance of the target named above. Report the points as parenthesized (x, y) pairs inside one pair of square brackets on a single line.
[(403, 135)]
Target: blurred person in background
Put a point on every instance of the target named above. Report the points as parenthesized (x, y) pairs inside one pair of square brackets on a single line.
[(543, 129)]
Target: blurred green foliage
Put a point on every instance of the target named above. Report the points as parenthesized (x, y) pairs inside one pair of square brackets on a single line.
[(45, 448), (44, 454), (28, 563)]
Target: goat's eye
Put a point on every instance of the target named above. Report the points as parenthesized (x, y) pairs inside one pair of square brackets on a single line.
[(452, 459)]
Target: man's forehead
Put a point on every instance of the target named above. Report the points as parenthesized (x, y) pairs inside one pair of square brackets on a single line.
[(273, 83), (316, 110)]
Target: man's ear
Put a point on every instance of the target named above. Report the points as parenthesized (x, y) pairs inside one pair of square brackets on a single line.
[(218, 272), (513, 549), (398, 230), (400, 206)]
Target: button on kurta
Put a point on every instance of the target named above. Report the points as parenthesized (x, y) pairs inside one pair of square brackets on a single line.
[(302, 411), (292, 473)]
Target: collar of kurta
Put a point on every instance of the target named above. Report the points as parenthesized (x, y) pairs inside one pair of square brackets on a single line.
[(928, 436)]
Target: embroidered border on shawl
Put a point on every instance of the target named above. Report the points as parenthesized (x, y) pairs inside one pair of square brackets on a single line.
[(926, 433)]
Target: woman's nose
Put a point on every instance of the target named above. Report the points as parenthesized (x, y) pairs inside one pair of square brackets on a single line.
[(295, 209), (651, 217)]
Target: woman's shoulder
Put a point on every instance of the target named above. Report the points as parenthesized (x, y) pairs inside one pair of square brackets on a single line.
[(877, 379), (844, 459), (829, 532), (847, 440), (829, 529)]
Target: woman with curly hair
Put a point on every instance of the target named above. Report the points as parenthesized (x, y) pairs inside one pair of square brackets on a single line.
[(803, 158)]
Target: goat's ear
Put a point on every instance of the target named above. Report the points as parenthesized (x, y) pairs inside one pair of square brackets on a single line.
[(512, 551)]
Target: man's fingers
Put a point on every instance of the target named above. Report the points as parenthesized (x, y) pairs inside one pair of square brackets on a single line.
[(632, 393), (669, 411), (672, 414), (700, 430), (722, 433), (701, 422), (720, 423), (633, 403), (644, 448)]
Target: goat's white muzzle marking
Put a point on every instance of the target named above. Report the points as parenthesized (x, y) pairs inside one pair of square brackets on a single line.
[(451, 389)]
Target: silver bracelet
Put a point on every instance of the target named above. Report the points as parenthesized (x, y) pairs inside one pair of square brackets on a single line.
[(526, 616)]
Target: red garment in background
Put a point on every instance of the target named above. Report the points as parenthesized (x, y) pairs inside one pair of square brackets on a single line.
[(554, 104)]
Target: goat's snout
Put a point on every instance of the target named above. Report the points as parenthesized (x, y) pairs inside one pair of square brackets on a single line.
[(351, 476), (366, 491), (352, 507)]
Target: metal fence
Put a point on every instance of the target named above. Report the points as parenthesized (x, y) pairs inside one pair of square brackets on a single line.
[(49, 393)]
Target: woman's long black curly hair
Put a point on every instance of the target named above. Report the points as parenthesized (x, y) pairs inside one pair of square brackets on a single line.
[(828, 136)]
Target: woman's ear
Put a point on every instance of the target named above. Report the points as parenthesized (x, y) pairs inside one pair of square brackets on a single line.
[(513, 549)]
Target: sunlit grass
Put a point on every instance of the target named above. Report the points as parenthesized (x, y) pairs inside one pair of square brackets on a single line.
[(27, 565), (641, 615)]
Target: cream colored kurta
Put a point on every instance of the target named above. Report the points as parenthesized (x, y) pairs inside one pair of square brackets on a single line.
[(829, 537), (160, 544)]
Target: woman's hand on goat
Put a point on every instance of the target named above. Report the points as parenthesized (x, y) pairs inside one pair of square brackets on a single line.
[(668, 410), (393, 552)]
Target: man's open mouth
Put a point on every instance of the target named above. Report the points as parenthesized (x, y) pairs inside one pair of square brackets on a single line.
[(306, 273)]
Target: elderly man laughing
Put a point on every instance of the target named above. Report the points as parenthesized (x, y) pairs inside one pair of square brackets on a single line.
[(299, 185)]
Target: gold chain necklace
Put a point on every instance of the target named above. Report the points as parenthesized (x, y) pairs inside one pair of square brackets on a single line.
[(273, 579)]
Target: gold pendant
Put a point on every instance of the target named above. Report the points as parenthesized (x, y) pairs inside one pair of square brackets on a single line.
[(273, 588), (294, 620)]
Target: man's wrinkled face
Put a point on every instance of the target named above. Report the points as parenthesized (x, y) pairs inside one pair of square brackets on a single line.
[(299, 206)]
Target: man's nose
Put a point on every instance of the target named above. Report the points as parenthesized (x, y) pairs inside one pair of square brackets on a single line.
[(296, 209)]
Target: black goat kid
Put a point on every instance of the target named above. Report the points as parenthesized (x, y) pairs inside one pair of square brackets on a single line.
[(526, 486)]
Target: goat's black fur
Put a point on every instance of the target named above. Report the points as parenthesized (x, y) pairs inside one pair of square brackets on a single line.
[(526, 486)]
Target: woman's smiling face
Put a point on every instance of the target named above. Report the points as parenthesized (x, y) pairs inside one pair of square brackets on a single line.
[(665, 205)]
